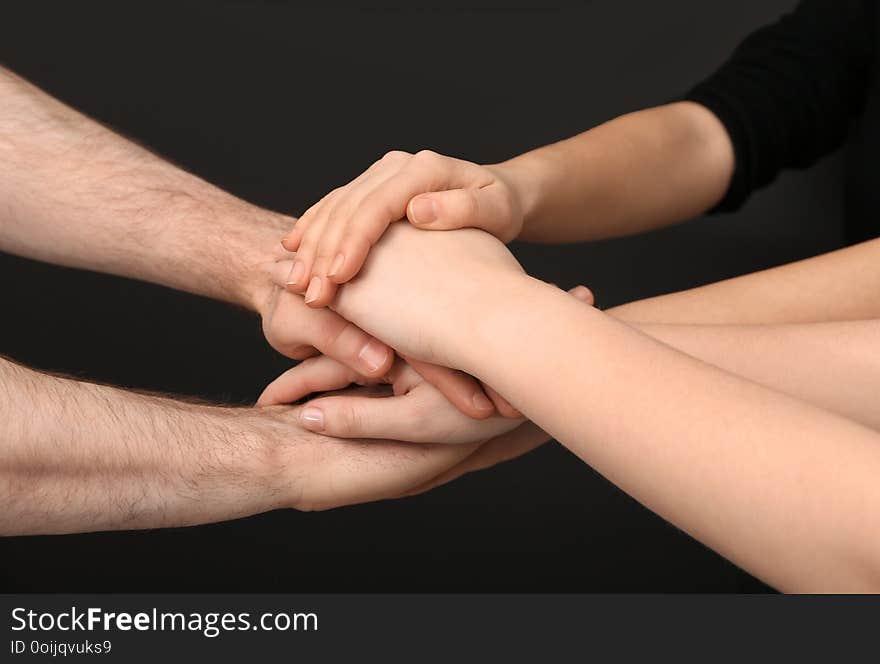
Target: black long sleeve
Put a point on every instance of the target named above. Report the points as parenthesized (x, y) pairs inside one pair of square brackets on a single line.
[(789, 92)]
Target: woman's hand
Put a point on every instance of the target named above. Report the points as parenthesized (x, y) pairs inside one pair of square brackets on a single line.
[(419, 289), (334, 236), (416, 412)]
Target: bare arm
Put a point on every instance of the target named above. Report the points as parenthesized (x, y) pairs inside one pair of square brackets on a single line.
[(82, 457), (638, 172), (77, 456), (785, 489), (833, 365), (840, 285), (76, 194)]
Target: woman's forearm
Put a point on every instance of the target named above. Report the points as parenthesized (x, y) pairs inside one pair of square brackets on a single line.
[(783, 488), (839, 285), (637, 172), (835, 366)]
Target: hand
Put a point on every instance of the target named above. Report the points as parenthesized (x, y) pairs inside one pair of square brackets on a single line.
[(309, 471), (334, 236), (417, 412), (420, 291), (417, 290), (299, 332), (522, 440)]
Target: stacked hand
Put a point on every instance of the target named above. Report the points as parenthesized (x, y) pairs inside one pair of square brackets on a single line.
[(334, 236), (401, 297)]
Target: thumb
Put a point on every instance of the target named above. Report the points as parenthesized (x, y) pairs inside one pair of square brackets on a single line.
[(402, 417), (482, 207)]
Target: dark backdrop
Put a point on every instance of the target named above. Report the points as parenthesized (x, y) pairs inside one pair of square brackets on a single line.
[(278, 105)]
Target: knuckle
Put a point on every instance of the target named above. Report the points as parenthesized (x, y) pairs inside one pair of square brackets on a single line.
[(395, 157), (376, 209), (426, 156)]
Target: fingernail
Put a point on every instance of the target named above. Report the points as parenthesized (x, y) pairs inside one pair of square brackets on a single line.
[(481, 401), (373, 355), (284, 241), (424, 211), (337, 265), (314, 290), (296, 272), (312, 418)]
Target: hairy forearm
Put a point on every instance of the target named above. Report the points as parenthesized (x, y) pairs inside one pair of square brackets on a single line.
[(782, 488), (637, 172), (81, 457), (74, 193), (840, 285)]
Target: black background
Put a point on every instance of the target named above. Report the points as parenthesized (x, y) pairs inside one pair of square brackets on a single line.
[(278, 105)]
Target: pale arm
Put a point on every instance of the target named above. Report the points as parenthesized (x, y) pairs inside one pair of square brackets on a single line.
[(840, 285), (782, 488), (785, 489), (832, 365), (641, 171)]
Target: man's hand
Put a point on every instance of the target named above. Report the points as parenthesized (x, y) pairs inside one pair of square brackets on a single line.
[(297, 331), (83, 457), (316, 472), (74, 193)]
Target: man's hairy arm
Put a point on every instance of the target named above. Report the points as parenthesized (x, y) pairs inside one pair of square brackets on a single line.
[(79, 456), (74, 193)]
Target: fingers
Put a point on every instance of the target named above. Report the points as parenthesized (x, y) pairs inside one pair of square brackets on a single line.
[(295, 331), (319, 374), (460, 389), (397, 418), (333, 238), (484, 208), (501, 404), (347, 343)]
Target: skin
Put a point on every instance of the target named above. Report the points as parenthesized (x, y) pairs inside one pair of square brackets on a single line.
[(76, 194), (783, 488), (83, 457), (635, 173), (415, 411), (78, 456)]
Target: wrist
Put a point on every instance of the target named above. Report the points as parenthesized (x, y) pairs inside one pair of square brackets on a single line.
[(494, 312), (528, 176), (254, 243), (259, 452)]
